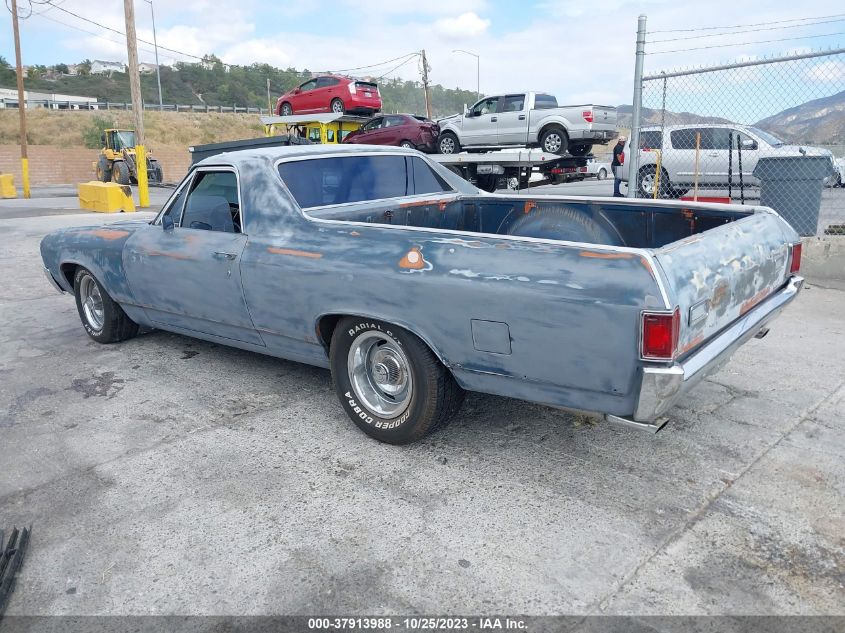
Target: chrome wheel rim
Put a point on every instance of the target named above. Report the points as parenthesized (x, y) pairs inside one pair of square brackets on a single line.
[(286, 110), (447, 145), (380, 374), (406, 145), (92, 302), (553, 142), (647, 184), (337, 106)]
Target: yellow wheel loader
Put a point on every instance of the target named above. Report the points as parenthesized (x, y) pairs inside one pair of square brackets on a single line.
[(117, 159)]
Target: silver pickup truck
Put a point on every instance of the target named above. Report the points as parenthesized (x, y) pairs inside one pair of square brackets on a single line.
[(528, 119), (414, 286)]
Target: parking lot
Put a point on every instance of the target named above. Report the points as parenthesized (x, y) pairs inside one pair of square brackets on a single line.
[(166, 475)]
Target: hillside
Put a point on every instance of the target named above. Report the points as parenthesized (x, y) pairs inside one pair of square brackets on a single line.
[(653, 117), (818, 121), (73, 128), (239, 85)]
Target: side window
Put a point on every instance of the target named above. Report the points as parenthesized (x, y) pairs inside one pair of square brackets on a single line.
[(345, 179), (373, 125), (652, 139), (330, 136), (488, 106), (722, 138), (325, 82), (544, 102), (174, 209), (747, 142), (685, 139), (426, 180), (314, 135), (213, 203), (308, 85), (514, 103), (394, 121)]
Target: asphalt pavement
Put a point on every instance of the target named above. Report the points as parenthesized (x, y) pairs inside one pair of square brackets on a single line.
[(166, 475)]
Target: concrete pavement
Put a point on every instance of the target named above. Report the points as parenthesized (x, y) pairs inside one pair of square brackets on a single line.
[(167, 475)]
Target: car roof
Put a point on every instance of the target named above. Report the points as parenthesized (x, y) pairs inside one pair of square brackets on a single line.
[(686, 126), (297, 151)]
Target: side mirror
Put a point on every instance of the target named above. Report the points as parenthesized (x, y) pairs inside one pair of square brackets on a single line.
[(103, 140), (296, 91), (748, 143), (167, 222)]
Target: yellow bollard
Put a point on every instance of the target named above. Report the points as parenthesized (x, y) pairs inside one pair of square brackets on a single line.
[(143, 184), (7, 186), (25, 176)]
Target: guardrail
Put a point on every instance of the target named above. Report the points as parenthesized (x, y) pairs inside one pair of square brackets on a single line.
[(116, 105)]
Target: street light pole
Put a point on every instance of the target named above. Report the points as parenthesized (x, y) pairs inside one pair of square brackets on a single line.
[(477, 70), (155, 45), (21, 101)]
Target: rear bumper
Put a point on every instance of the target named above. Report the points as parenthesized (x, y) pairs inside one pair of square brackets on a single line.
[(597, 136), (663, 386)]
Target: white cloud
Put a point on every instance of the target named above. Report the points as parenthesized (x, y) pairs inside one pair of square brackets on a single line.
[(262, 51), (465, 25), (830, 70), (373, 8)]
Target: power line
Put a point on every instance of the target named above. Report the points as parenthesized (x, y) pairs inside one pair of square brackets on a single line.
[(108, 28), (410, 58), (771, 28), (388, 61), (782, 39), (79, 28), (742, 26)]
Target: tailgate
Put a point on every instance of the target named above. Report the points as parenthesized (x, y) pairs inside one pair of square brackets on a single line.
[(604, 118), (717, 276)]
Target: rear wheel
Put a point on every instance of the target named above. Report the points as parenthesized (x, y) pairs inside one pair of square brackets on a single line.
[(567, 224), (337, 106), (287, 110), (602, 174), (103, 319), (580, 149), (120, 173), (554, 140), (407, 144), (448, 143), (155, 173), (389, 382)]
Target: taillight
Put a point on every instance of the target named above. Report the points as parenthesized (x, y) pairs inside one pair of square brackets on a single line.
[(352, 88), (795, 261), (660, 333), (588, 115)]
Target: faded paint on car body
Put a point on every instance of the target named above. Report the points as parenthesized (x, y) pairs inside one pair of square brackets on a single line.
[(572, 309)]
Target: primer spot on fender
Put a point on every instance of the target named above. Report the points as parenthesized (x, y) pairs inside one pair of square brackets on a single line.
[(413, 260)]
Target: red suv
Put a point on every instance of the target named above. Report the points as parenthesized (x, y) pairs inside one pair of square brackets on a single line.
[(330, 93), (404, 130)]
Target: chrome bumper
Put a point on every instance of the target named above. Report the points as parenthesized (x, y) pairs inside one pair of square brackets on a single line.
[(52, 280), (663, 386)]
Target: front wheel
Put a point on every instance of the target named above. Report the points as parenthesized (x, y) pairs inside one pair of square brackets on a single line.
[(389, 382), (554, 141), (448, 144), (120, 173), (103, 319), (407, 145), (646, 183), (602, 174), (286, 109), (337, 106)]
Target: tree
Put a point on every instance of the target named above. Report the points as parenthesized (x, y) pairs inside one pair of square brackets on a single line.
[(85, 67), (61, 68), (4, 63)]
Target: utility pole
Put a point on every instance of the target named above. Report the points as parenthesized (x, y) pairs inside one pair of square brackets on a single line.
[(477, 71), (21, 101), (425, 69), (269, 102), (137, 104), (634, 141), (155, 45)]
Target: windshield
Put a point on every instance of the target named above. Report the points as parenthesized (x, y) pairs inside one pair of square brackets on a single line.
[(124, 139), (772, 140)]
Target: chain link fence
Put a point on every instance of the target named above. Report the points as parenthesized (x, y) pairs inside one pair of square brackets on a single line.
[(768, 132)]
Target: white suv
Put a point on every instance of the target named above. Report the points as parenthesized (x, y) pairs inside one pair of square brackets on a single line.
[(715, 156)]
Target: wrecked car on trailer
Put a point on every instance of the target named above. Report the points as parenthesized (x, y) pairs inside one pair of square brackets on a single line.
[(413, 286)]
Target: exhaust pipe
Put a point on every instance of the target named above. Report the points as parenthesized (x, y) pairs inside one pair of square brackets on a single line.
[(762, 332), (650, 427)]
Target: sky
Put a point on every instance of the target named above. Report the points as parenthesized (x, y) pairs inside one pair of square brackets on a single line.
[(580, 51)]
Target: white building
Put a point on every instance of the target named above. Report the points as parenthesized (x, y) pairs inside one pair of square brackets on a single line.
[(99, 67), (9, 99), (145, 68)]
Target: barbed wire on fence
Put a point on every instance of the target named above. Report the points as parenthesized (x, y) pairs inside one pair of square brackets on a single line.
[(121, 105)]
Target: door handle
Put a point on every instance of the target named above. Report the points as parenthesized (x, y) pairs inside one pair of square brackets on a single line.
[(521, 117), (222, 255), (493, 119)]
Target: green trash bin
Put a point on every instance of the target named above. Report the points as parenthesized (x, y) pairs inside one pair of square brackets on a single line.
[(792, 186)]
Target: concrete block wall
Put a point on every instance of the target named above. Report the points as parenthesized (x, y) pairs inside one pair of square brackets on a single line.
[(50, 165)]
